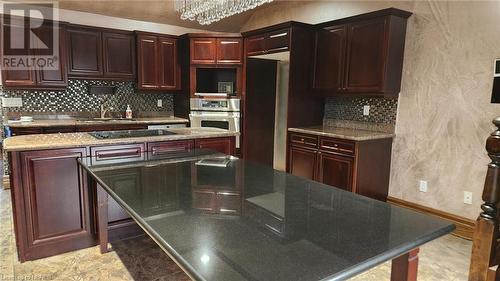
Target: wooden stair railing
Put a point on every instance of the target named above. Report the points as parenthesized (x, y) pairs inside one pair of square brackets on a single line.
[(485, 244)]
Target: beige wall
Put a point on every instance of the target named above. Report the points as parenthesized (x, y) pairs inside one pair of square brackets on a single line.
[(444, 114)]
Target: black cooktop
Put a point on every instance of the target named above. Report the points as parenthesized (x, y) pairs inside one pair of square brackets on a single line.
[(130, 134)]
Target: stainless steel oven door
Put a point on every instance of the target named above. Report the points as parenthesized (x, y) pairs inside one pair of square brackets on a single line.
[(223, 120)]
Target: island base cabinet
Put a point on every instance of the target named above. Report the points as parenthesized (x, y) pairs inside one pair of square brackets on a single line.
[(50, 202)]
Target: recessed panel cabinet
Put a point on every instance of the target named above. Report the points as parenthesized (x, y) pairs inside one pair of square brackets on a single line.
[(158, 63), (96, 53), (361, 55), (361, 167), (48, 77), (211, 50)]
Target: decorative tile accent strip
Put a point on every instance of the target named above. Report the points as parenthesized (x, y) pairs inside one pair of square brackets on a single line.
[(77, 98), (382, 110)]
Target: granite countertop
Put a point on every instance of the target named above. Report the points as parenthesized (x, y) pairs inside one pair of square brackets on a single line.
[(68, 140), (343, 133), (89, 122), (325, 233)]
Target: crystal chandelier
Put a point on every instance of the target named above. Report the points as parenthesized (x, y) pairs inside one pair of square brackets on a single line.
[(209, 11)]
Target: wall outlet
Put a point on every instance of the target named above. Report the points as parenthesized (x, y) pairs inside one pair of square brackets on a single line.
[(12, 102), (422, 186), (467, 197), (160, 103), (366, 110)]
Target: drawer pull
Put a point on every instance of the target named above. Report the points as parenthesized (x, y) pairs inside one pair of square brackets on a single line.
[(278, 35), (103, 155), (160, 150), (229, 42)]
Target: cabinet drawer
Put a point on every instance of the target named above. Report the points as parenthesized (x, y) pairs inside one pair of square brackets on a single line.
[(162, 150), (277, 41), (255, 45), (117, 154), (304, 140), (336, 145)]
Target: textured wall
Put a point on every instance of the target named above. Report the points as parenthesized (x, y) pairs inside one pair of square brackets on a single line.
[(444, 114)]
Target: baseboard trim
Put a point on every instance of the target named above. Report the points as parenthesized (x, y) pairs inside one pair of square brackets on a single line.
[(6, 182), (465, 226)]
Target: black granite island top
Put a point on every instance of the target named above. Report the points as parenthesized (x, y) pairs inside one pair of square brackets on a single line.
[(222, 218)]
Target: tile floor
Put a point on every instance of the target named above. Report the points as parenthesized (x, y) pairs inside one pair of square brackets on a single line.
[(140, 259)]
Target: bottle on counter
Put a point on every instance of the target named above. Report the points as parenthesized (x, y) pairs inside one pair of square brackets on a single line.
[(128, 112)]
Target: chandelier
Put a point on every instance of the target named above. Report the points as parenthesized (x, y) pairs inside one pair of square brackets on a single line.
[(209, 11)]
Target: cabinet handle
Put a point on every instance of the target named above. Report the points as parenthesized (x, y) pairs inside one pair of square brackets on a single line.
[(229, 42), (278, 35), (101, 155)]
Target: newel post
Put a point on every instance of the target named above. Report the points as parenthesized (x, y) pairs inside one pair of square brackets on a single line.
[(486, 231)]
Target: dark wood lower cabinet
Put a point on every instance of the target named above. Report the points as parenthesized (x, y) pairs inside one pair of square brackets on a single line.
[(54, 202), (335, 170), (51, 203), (302, 162), (362, 167)]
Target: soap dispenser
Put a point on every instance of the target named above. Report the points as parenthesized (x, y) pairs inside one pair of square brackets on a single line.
[(128, 112)]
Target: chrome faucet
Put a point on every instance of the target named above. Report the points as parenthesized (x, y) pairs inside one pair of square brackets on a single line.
[(104, 110)]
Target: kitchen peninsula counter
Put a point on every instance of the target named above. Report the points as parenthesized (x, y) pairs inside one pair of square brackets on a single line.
[(72, 140), (343, 133)]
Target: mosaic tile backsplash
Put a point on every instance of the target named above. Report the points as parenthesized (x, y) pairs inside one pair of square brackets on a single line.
[(77, 98), (382, 110)]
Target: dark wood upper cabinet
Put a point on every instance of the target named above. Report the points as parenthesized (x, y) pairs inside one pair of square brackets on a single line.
[(97, 53), (215, 50), (203, 50), (158, 63), (54, 78), (255, 45), (147, 61), (229, 51), (84, 52), (277, 41), (169, 67), (366, 52), (329, 58), (119, 55), (361, 54), (40, 77)]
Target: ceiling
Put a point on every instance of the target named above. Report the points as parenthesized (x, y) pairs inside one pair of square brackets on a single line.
[(159, 11)]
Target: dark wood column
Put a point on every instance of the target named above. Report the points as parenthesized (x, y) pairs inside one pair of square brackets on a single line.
[(405, 267)]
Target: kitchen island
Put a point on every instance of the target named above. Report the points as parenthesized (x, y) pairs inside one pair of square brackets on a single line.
[(223, 218), (52, 209)]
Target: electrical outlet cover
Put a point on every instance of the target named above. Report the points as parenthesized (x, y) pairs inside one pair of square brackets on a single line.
[(423, 186), (366, 110), (467, 197), (160, 103)]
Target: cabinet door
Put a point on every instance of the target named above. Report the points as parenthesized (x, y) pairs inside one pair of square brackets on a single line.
[(147, 61), (277, 41), (56, 199), (229, 51), (223, 145), (119, 55), (16, 78), (85, 52), (366, 52), (125, 185), (255, 45), (53, 78), (329, 59), (302, 162), (203, 50), (169, 69), (335, 170)]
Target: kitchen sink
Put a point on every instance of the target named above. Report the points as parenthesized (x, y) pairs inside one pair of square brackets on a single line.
[(98, 119), (130, 134)]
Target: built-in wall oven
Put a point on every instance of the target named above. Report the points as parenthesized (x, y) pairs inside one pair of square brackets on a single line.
[(217, 112)]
